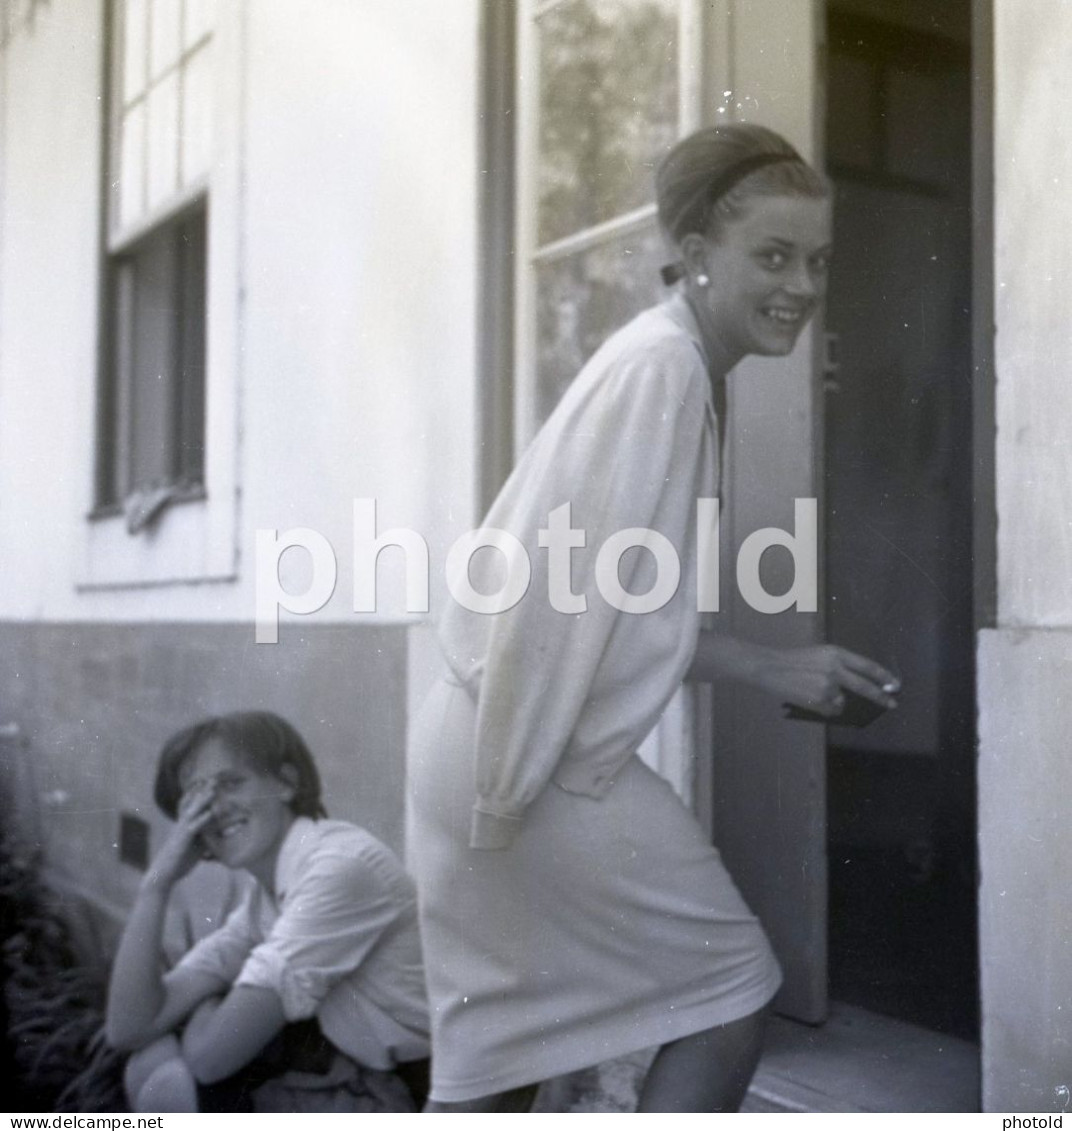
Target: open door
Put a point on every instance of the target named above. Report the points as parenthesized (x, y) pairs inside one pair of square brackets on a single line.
[(899, 492)]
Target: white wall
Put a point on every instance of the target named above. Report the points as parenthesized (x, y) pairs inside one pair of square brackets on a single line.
[(355, 355), (1033, 186), (1025, 664), (1026, 844), (360, 331), (48, 270)]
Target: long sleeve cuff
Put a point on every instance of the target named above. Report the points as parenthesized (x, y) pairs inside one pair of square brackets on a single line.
[(491, 830)]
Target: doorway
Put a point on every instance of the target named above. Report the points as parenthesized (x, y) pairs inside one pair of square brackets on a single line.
[(898, 489)]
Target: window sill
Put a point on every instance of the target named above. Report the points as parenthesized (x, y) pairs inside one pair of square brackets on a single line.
[(193, 493), (191, 540)]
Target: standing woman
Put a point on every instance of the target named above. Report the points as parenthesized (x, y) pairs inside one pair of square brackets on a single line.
[(572, 909)]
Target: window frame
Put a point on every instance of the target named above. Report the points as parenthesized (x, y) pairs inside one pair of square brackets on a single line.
[(116, 382), (194, 540)]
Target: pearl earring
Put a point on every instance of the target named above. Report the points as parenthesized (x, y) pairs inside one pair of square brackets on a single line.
[(702, 281)]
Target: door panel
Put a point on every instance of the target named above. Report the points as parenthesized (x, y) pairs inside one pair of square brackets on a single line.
[(769, 773)]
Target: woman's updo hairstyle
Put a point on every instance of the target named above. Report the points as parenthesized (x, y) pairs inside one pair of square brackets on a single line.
[(266, 742), (709, 176)]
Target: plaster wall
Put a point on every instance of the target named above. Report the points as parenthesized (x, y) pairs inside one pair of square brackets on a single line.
[(1025, 919), (356, 283), (1033, 276), (1025, 662)]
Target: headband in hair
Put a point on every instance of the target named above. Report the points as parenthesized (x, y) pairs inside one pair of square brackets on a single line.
[(720, 186)]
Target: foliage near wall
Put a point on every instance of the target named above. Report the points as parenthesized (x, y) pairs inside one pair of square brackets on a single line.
[(54, 1054)]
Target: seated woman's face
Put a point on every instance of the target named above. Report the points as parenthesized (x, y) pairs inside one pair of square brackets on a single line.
[(250, 810)]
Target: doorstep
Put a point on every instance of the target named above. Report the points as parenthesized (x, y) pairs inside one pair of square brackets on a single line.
[(863, 1062)]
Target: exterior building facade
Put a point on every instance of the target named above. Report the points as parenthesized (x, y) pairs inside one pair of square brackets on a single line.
[(259, 260)]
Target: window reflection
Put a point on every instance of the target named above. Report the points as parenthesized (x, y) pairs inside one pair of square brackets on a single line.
[(582, 298), (608, 108)]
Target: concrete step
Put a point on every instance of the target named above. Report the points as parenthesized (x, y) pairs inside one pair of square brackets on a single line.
[(863, 1062)]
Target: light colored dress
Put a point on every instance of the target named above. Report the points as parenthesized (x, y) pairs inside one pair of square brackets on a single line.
[(572, 909)]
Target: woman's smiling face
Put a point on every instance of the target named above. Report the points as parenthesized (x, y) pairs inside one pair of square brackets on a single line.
[(250, 810), (767, 270)]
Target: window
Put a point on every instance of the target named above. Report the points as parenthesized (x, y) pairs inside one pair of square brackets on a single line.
[(163, 473), (155, 415), (151, 442), (604, 94)]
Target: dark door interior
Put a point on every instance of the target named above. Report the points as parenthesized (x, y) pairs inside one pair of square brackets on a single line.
[(898, 428)]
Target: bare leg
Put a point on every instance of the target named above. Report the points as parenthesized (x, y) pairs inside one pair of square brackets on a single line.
[(142, 1064), (707, 1071), (520, 1099), (157, 1079)]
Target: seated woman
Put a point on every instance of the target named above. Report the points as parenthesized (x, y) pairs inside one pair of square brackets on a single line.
[(318, 968)]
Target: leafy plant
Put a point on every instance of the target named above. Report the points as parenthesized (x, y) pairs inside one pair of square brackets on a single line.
[(53, 998)]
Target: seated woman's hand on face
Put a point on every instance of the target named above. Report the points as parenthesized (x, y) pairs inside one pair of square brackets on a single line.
[(183, 848), (144, 1004), (818, 678)]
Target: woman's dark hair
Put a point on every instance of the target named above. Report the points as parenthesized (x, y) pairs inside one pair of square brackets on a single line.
[(266, 741), (708, 177)]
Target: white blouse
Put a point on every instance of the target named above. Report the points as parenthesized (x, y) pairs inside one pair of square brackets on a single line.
[(568, 697), (339, 942)]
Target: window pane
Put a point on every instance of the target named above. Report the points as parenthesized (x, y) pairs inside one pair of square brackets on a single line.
[(154, 350), (135, 15), (166, 45), (113, 467), (582, 298), (190, 392), (608, 108), (197, 115), (132, 165), (153, 401), (198, 19), (163, 140)]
